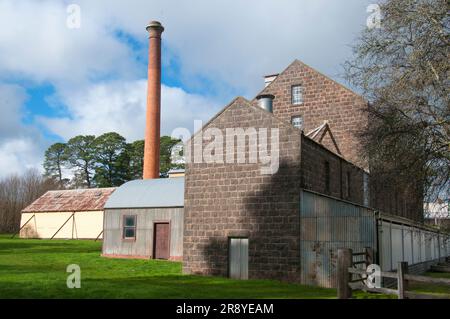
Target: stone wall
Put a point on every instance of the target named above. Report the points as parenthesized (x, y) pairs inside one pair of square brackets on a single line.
[(236, 200), (323, 100)]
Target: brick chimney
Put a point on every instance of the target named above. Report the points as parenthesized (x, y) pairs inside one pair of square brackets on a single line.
[(153, 118)]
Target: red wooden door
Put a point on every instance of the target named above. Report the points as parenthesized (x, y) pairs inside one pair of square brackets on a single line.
[(161, 241)]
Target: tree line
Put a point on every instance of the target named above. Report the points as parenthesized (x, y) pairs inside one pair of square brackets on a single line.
[(103, 161), (17, 192)]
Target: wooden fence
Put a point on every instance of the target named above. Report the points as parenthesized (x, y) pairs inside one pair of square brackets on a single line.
[(346, 270)]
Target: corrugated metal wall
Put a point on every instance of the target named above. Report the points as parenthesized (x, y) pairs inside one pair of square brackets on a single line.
[(113, 244), (328, 224), (402, 242)]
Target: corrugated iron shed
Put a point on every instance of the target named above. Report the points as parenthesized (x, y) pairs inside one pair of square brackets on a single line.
[(71, 200), (159, 192)]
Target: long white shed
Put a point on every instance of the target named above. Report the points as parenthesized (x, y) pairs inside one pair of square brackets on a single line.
[(66, 214)]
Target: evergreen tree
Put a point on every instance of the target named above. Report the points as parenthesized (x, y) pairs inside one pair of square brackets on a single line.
[(81, 157), (111, 160), (55, 159), (166, 145), (136, 159)]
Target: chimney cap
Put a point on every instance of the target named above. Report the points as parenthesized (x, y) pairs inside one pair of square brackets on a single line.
[(265, 96), (155, 25)]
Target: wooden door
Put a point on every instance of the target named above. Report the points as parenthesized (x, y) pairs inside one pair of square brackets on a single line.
[(238, 258), (161, 241)]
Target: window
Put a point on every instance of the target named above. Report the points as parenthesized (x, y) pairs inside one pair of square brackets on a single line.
[(366, 188), (327, 176), (297, 121), (129, 227), (348, 184), (297, 94)]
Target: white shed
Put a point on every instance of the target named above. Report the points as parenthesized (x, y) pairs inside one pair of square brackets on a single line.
[(66, 214)]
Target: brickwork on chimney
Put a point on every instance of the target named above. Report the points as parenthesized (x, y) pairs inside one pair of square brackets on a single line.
[(153, 114)]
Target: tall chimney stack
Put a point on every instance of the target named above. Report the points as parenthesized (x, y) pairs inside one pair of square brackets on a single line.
[(153, 118)]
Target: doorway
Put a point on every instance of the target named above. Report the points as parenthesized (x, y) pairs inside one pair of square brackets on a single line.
[(161, 241), (238, 258)]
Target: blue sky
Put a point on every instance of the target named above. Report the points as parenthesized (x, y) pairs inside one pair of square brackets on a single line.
[(57, 82)]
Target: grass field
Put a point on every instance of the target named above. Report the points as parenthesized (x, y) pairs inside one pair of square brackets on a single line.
[(37, 269), (432, 288)]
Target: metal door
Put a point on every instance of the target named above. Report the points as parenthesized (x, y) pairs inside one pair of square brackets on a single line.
[(161, 241), (238, 259)]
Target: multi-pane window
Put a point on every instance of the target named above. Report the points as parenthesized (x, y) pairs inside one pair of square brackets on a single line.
[(129, 227), (297, 121), (297, 94)]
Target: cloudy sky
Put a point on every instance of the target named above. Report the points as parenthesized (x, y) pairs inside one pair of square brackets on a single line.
[(58, 80)]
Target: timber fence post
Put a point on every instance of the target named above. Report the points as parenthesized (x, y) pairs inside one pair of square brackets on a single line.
[(402, 283), (343, 276)]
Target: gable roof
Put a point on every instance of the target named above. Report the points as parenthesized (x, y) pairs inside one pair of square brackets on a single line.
[(73, 200), (148, 193), (323, 130), (298, 62), (242, 102), (234, 101)]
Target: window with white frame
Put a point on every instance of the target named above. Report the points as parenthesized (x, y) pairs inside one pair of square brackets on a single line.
[(297, 121), (297, 94)]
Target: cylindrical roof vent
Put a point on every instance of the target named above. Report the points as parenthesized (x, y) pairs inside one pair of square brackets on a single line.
[(265, 101)]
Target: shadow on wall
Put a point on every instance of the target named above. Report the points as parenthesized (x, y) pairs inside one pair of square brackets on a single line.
[(262, 208)]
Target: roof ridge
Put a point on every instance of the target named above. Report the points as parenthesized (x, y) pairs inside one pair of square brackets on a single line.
[(297, 61), (237, 98), (80, 189), (282, 72), (328, 77)]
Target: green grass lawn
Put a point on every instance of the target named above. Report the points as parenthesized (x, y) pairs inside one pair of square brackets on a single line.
[(37, 269), (435, 289)]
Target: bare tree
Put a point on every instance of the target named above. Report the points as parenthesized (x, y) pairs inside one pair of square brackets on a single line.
[(17, 192), (402, 68)]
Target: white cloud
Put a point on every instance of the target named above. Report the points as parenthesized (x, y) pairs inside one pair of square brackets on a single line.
[(21, 146), (234, 43), (229, 45), (18, 155), (121, 106), (36, 44), (11, 99)]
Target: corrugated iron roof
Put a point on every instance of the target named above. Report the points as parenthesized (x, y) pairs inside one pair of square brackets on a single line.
[(71, 200), (160, 192)]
